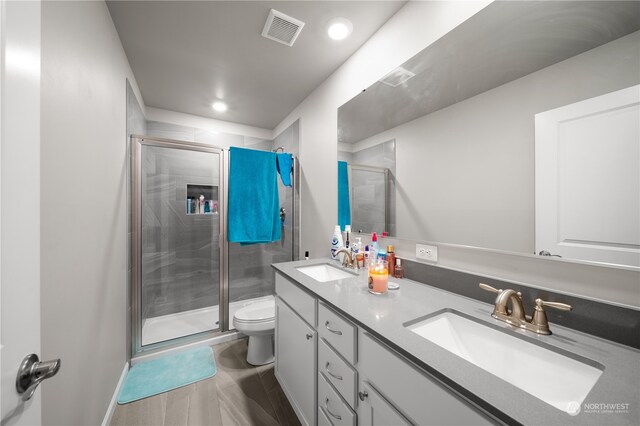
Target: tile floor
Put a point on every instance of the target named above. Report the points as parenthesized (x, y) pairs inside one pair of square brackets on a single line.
[(239, 394)]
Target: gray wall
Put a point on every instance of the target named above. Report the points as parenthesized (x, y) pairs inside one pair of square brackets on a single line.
[(83, 209), (465, 174)]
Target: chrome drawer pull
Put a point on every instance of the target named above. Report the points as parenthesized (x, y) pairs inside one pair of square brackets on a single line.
[(326, 407), (326, 367), (338, 332), (363, 395)]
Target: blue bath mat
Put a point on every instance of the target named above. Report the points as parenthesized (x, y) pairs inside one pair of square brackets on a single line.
[(166, 373)]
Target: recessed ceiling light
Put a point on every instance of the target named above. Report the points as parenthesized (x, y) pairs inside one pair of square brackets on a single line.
[(219, 106), (339, 28)]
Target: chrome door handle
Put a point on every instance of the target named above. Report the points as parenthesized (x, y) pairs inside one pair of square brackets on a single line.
[(32, 372), (326, 407), (326, 367), (338, 332)]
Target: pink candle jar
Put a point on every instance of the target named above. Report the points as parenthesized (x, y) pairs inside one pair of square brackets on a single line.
[(378, 277)]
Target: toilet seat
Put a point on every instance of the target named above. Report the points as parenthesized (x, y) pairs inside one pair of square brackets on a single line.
[(263, 311)]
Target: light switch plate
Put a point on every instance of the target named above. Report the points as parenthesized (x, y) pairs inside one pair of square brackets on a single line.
[(426, 252)]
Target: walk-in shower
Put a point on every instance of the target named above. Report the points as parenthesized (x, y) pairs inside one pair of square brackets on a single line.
[(187, 281)]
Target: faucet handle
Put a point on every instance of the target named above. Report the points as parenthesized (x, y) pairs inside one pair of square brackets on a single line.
[(561, 306), (539, 318), (487, 287)]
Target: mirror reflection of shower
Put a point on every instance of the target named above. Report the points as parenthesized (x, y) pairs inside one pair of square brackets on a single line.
[(371, 183)]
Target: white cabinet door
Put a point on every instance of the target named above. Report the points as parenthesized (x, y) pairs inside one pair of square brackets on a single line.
[(374, 410), (587, 165), (295, 366)]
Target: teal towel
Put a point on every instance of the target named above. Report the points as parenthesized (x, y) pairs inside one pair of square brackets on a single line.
[(169, 372), (344, 207), (254, 214), (285, 165)]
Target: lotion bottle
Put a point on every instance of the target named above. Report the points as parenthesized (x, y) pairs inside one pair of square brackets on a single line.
[(336, 242)]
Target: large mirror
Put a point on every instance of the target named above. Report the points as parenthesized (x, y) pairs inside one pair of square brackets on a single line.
[(516, 131)]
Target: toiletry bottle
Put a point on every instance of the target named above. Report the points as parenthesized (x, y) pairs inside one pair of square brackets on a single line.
[(399, 269), (373, 248), (347, 231), (366, 256), (201, 205), (381, 255), (306, 255), (336, 242), (391, 258), (356, 247)]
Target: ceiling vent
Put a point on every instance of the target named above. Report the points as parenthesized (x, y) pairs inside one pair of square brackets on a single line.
[(396, 77), (282, 28)]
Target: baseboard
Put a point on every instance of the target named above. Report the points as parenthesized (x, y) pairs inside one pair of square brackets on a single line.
[(114, 399)]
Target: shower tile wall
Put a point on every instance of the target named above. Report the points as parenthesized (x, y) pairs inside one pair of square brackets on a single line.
[(136, 125), (250, 272), (180, 261)]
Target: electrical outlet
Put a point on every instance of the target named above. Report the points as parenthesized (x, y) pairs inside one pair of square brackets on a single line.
[(425, 252)]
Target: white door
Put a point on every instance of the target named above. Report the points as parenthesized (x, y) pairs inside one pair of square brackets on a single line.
[(19, 203), (587, 165)]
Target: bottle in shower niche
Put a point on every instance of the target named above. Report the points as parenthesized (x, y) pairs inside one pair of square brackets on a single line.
[(201, 205), (336, 242), (189, 205)]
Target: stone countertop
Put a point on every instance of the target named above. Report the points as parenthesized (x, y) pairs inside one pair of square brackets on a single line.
[(384, 316)]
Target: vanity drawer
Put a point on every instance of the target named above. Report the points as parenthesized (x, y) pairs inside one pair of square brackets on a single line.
[(303, 303), (333, 406), (338, 372), (322, 418), (339, 332)]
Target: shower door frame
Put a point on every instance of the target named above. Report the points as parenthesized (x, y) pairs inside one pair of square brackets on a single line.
[(137, 142)]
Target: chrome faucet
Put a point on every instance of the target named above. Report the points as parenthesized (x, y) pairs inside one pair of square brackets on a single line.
[(347, 260), (516, 315)]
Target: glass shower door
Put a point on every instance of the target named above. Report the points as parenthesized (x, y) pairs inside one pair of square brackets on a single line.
[(179, 219)]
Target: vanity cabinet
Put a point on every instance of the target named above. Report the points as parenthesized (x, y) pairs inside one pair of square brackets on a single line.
[(374, 410), (336, 373), (407, 389), (295, 350)]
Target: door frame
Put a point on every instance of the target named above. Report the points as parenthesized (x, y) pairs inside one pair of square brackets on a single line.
[(137, 142)]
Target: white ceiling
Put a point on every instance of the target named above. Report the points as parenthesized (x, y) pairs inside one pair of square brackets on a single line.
[(186, 54)]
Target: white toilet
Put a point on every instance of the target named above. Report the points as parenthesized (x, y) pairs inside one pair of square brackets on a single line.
[(258, 320)]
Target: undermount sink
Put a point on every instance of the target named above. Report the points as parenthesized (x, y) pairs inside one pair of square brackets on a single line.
[(326, 272), (559, 379)]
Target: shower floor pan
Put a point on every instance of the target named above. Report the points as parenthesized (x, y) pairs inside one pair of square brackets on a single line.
[(167, 327)]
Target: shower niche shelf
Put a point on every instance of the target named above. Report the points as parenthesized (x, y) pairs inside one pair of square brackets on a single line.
[(202, 200)]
